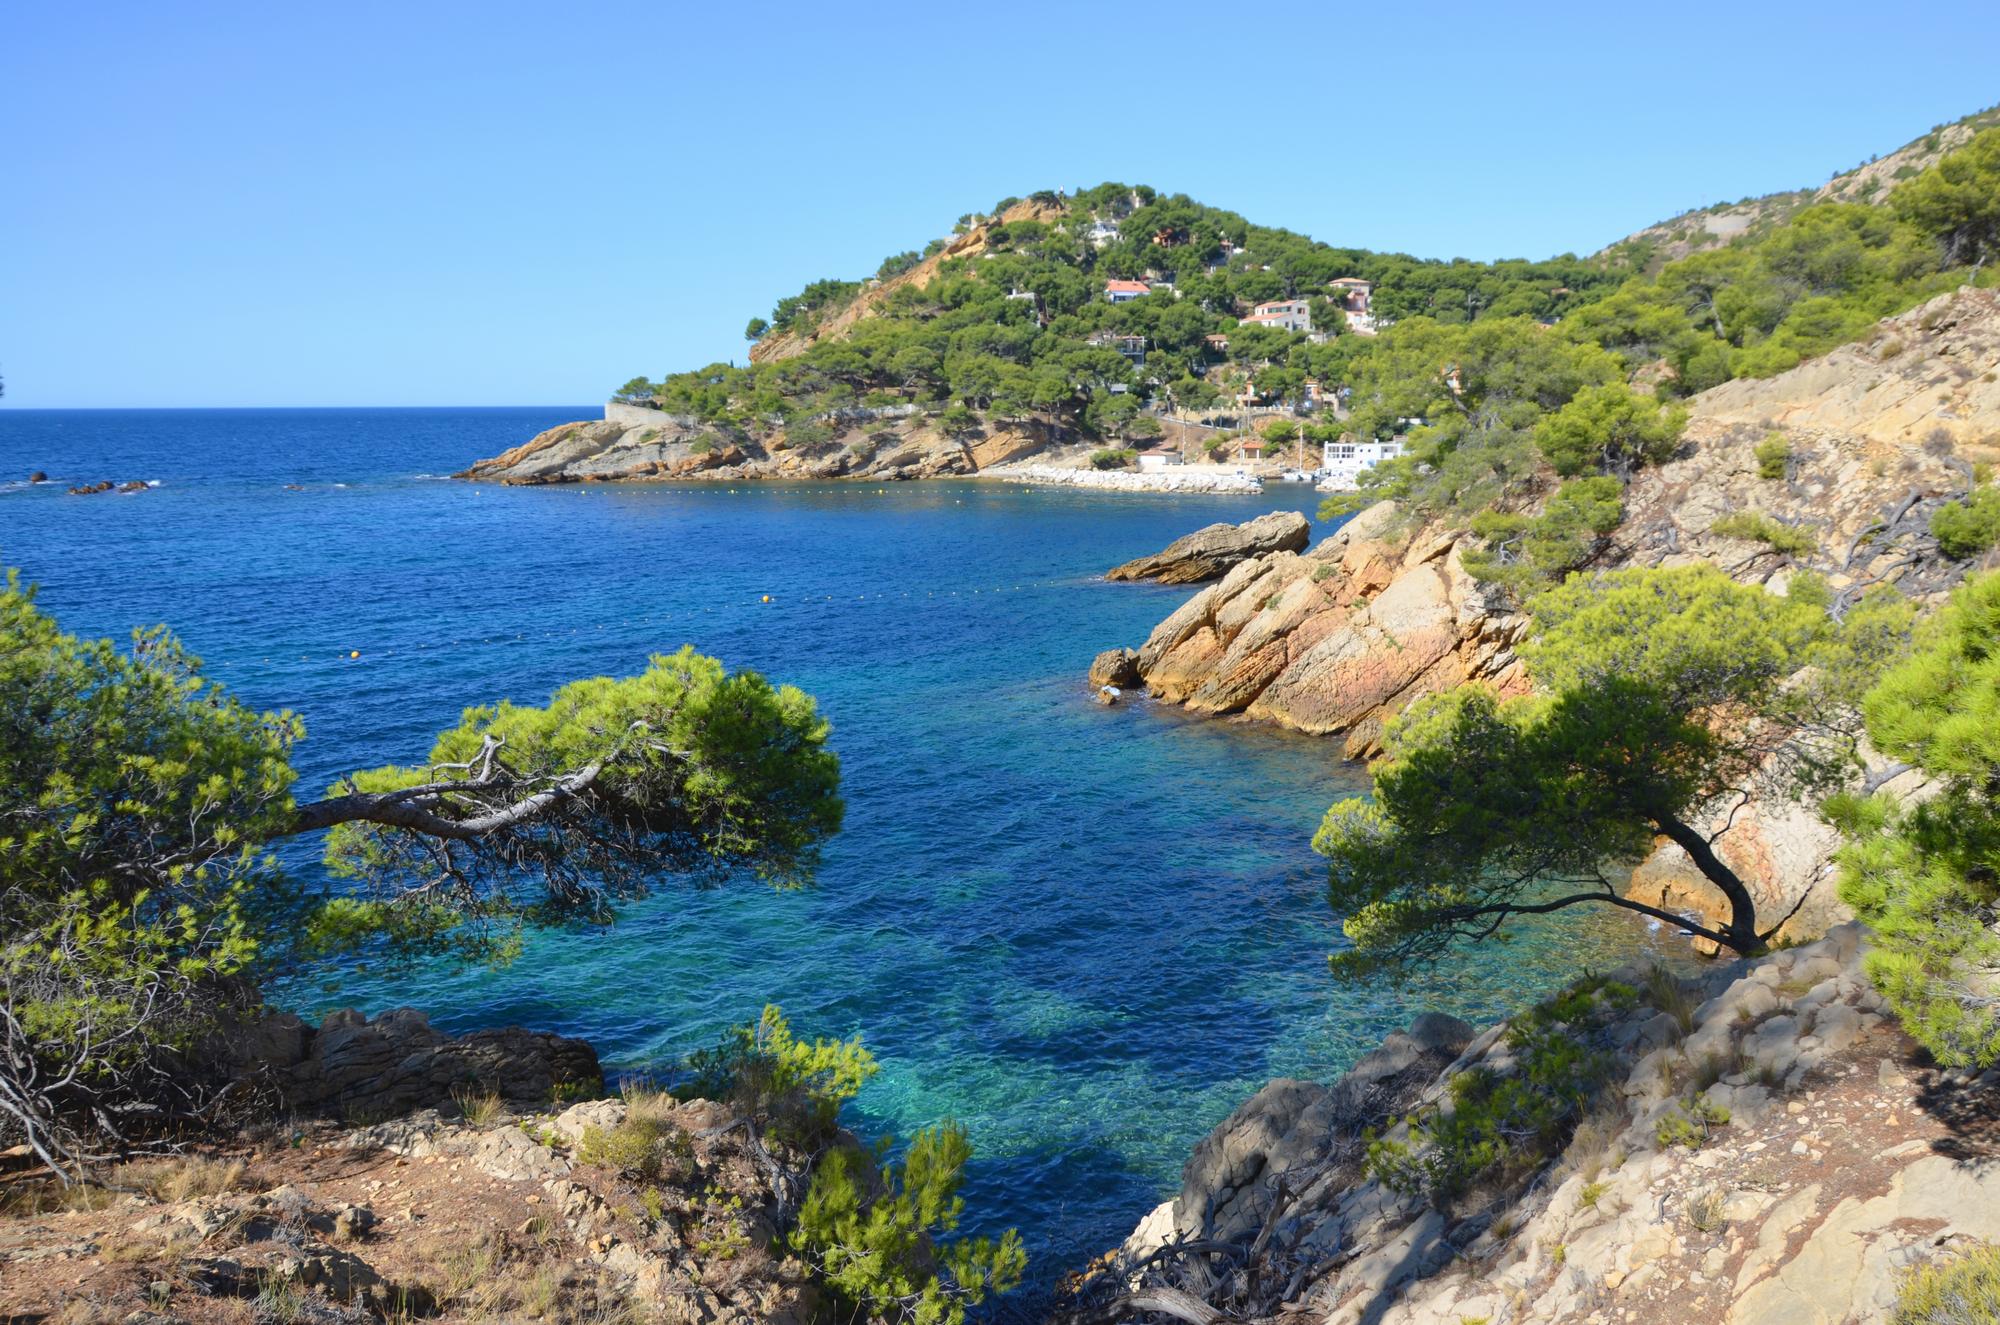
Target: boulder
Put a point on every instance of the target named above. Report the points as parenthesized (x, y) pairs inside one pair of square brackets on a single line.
[(1298, 1127), (1210, 552), (398, 1062), (1115, 667)]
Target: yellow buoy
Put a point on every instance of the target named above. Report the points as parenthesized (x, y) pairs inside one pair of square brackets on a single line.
[(767, 598), (354, 653)]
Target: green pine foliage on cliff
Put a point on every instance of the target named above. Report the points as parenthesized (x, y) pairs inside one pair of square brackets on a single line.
[(1491, 370), (1501, 1126), (1926, 877), (140, 805), (1662, 695), (881, 1236), (1969, 527), (1817, 281)]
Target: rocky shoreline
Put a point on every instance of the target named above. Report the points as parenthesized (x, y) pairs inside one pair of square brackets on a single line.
[(1771, 1149)]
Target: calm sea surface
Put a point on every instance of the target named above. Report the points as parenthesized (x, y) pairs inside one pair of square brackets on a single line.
[(1086, 933)]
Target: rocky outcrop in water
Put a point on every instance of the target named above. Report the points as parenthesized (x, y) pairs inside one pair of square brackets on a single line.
[(1830, 1159), (1338, 640), (1209, 552)]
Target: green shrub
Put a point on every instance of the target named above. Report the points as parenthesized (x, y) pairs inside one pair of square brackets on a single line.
[(1959, 1290), (880, 1236), (1759, 528), (798, 1084), (1923, 876), (809, 432), (1113, 458), (1503, 1125), (1526, 552), (644, 1146), (1689, 1123), (957, 419), (1965, 529), (1774, 456)]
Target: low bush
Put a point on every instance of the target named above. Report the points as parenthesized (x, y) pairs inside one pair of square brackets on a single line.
[(1774, 456), (798, 1085), (1689, 1123), (1113, 458), (644, 1146), (1502, 1125), (1965, 529), (1758, 528), (1960, 1290)]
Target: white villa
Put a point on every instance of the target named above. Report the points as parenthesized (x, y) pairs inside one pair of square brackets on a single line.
[(1124, 292), (1345, 460), (1291, 314), (1160, 457), (1102, 233)]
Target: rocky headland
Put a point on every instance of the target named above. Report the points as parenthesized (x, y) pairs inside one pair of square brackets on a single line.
[(1768, 1149), (1340, 638)]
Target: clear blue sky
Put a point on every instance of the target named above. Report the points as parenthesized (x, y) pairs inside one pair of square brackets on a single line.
[(433, 203)]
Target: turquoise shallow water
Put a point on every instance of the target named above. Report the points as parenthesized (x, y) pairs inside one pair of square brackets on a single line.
[(1087, 933)]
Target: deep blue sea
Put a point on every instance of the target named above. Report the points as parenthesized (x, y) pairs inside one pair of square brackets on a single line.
[(1086, 933)]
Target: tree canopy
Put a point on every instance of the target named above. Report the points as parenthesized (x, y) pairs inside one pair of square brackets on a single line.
[(1666, 699), (139, 805)]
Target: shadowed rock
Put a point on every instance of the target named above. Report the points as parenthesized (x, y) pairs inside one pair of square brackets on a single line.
[(1115, 667)]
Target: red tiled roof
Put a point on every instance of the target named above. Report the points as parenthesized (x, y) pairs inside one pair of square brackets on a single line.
[(1126, 287)]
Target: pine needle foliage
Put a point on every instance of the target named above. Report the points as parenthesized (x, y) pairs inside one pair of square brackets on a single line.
[(1926, 877)]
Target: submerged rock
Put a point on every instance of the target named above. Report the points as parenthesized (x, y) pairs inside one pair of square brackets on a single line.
[(1210, 552)]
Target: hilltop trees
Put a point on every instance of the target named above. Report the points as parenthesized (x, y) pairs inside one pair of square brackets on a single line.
[(1666, 696), (139, 808), (1958, 201)]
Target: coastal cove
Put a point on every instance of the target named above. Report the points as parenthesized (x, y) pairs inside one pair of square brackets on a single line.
[(1086, 933)]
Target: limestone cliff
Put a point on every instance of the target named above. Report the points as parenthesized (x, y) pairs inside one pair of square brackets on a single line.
[(1771, 1149)]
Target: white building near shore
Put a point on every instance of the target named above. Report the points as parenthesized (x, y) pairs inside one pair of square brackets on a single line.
[(1346, 460)]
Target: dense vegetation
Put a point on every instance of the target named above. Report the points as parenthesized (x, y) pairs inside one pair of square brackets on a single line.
[(1927, 877), (1494, 372), (138, 810), (960, 339), (1664, 694), (139, 806)]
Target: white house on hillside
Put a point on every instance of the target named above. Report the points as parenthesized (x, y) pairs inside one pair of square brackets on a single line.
[(1124, 292), (1291, 314), (1102, 233), (1345, 461)]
